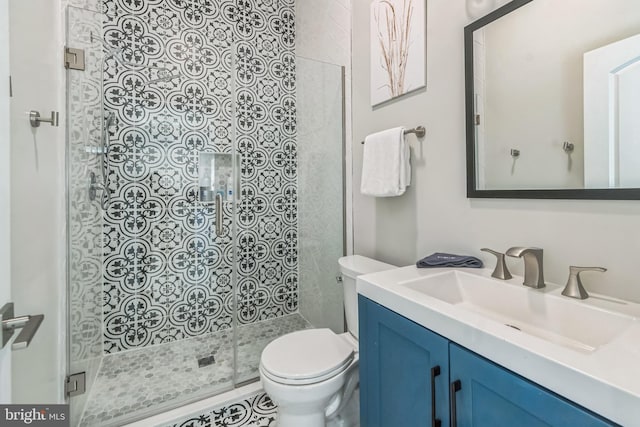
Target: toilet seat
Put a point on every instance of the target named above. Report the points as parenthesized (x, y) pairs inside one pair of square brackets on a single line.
[(306, 357)]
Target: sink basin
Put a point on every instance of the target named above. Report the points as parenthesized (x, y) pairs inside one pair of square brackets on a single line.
[(560, 320)]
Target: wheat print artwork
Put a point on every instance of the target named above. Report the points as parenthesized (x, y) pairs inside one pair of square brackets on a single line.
[(397, 48)]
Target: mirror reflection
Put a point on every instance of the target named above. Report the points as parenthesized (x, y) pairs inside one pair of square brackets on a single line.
[(556, 100)]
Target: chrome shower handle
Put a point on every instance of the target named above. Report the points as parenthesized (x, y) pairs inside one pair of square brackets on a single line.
[(94, 186), (219, 214), (35, 119)]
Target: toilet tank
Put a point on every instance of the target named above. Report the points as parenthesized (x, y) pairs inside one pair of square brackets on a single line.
[(351, 267)]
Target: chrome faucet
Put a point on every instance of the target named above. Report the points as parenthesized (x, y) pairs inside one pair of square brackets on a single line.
[(533, 270), (574, 288)]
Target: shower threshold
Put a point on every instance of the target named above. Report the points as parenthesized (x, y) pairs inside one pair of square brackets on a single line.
[(135, 384)]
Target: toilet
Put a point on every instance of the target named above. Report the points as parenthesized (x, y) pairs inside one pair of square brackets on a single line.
[(311, 374)]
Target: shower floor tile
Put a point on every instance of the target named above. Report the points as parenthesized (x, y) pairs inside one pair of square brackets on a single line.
[(142, 382)]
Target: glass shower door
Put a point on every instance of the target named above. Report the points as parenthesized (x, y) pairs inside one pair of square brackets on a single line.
[(290, 217), (321, 154), (267, 212), (84, 217), (151, 168)]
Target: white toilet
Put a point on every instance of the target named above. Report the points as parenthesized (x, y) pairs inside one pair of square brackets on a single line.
[(311, 374)]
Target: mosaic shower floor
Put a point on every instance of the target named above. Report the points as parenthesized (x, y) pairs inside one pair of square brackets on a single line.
[(156, 378)]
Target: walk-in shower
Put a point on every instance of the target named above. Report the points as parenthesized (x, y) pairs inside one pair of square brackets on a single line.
[(217, 212)]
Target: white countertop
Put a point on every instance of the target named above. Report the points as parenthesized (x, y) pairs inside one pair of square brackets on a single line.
[(605, 381)]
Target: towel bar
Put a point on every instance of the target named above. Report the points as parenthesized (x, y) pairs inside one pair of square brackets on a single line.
[(420, 132)]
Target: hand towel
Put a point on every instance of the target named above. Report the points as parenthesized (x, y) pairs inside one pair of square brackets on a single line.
[(386, 167), (449, 260)]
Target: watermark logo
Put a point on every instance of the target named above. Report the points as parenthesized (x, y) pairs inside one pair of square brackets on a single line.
[(34, 415)]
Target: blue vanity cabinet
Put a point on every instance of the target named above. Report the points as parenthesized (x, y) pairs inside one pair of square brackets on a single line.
[(485, 394), (397, 389), (404, 372)]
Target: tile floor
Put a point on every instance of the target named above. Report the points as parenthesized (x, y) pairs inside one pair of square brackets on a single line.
[(259, 411), (154, 379), (255, 411)]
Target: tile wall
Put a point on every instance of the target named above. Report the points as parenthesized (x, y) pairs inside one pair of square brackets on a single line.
[(231, 68)]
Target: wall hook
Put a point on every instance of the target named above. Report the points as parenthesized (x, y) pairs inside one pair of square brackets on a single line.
[(567, 147), (515, 154)]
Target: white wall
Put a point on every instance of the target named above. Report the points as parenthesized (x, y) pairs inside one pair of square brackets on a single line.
[(435, 215), (38, 196)]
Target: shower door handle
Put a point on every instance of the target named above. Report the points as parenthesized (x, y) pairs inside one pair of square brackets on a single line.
[(219, 214)]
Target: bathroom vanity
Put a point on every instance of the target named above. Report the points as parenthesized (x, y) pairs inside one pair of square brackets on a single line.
[(456, 347)]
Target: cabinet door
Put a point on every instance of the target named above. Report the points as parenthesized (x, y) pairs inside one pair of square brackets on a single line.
[(398, 359), (490, 395)]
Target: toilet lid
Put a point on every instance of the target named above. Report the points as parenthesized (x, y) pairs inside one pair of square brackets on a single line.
[(304, 355)]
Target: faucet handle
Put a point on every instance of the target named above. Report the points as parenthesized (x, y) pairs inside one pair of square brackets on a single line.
[(574, 288), (501, 271)]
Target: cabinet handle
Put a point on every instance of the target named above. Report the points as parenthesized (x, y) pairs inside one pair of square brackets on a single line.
[(435, 371), (456, 386)]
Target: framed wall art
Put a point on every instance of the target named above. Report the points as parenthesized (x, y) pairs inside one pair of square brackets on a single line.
[(398, 48)]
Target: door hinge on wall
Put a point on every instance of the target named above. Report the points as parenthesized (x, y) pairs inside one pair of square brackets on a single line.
[(75, 384), (477, 119), (10, 87), (73, 58)]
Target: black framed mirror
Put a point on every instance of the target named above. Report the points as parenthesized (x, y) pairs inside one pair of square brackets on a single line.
[(552, 100)]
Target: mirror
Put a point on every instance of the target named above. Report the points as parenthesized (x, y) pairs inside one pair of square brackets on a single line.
[(553, 100)]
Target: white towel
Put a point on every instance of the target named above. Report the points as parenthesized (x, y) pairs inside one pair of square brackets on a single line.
[(386, 167)]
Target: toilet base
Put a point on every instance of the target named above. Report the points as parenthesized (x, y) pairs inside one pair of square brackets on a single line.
[(284, 419), (348, 417)]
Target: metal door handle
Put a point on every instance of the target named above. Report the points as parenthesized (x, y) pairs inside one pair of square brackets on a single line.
[(219, 229), (28, 324)]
